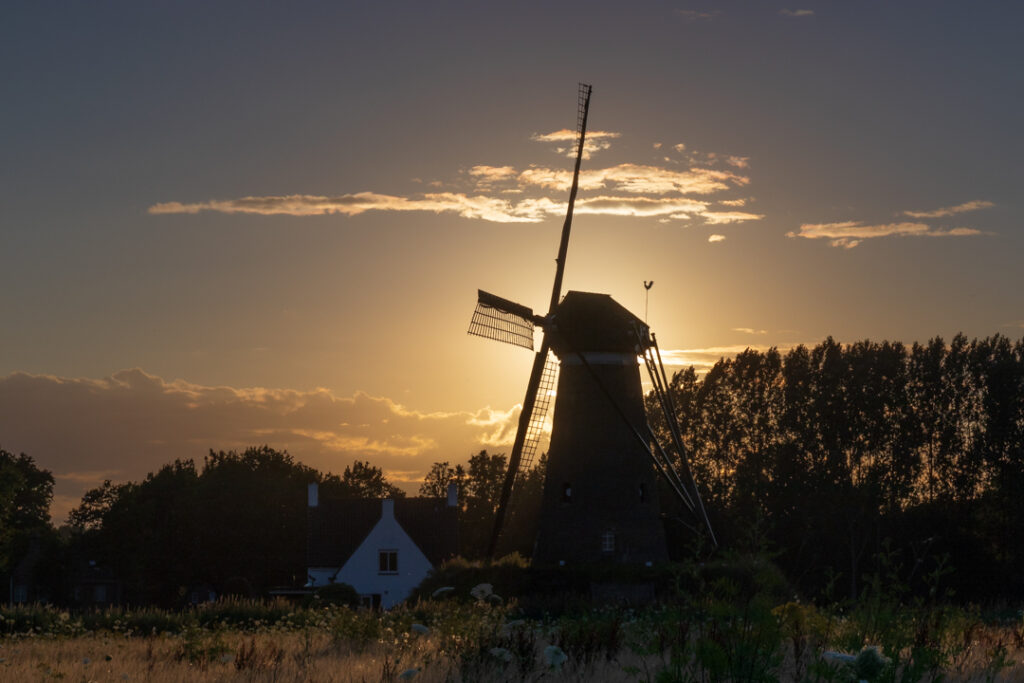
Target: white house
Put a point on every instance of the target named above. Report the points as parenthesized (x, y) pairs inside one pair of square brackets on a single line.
[(382, 548)]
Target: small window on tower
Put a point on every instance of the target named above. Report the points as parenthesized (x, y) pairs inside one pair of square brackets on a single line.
[(643, 493), (608, 542), (566, 492)]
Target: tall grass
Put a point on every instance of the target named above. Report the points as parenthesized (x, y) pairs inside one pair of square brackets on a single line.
[(722, 624)]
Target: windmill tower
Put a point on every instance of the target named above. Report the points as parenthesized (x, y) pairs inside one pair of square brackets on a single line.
[(600, 499)]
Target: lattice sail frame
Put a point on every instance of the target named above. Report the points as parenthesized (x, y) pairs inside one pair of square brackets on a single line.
[(502, 320), (539, 422)]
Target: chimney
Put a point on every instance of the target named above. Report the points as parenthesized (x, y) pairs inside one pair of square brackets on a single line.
[(387, 510), (313, 495), (453, 495)]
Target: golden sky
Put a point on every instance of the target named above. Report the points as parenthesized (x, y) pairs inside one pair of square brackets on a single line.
[(227, 225)]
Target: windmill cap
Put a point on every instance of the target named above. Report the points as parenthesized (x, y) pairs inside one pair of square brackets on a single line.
[(586, 321)]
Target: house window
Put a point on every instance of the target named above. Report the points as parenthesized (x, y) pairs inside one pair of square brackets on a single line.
[(388, 561), (608, 542), (566, 492)]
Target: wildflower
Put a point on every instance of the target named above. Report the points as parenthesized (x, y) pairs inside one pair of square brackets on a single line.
[(501, 653), (555, 657), (442, 590), (409, 673), (421, 629), (482, 591), (227, 658), (86, 660)]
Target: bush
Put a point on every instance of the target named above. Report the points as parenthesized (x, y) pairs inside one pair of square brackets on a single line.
[(337, 594)]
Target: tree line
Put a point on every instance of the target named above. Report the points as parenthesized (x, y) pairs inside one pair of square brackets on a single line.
[(236, 522), (834, 453), (826, 456)]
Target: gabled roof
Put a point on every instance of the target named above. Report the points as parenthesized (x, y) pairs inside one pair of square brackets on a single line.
[(338, 526), (585, 321)]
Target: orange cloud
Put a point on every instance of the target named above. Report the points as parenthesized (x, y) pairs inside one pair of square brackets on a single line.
[(597, 140), (721, 217), (703, 359), (502, 194), (849, 234), (951, 210)]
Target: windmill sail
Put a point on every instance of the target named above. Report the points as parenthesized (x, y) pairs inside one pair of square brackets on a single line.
[(531, 402), (539, 415), (502, 320)]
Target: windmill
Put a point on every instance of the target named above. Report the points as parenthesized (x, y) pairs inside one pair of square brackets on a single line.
[(600, 497)]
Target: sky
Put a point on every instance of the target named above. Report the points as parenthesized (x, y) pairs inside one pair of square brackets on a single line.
[(243, 223)]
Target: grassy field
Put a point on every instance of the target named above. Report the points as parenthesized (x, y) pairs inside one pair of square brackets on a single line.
[(485, 638)]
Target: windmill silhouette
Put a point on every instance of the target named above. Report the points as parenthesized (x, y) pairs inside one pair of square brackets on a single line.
[(600, 499)]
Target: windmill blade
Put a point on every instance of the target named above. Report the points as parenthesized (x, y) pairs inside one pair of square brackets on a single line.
[(534, 404), (502, 320), (582, 110)]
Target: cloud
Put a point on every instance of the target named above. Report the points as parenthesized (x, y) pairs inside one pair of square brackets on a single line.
[(486, 208), (716, 238), (506, 194), (849, 234), (633, 179), (690, 15), (749, 330), (722, 217), (637, 178), (797, 12), (123, 426), (490, 174), (597, 141), (641, 207), (951, 210), (703, 359)]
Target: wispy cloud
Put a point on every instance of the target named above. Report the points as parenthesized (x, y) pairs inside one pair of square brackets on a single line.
[(157, 421), (636, 178), (797, 12), (849, 234), (487, 208), (690, 15), (716, 238), (703, 359), (506, 194), (749, 330), (951, 210), (597, 141), (722, 217)]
